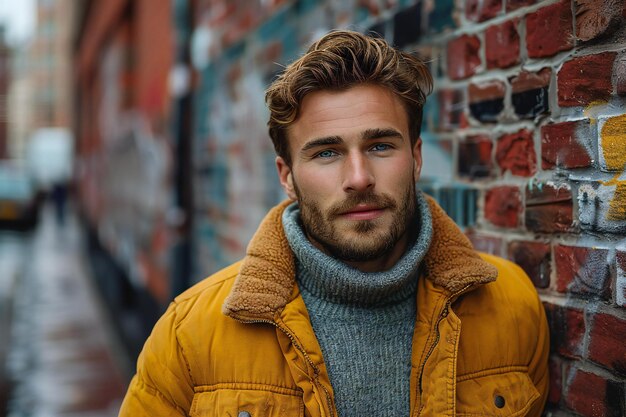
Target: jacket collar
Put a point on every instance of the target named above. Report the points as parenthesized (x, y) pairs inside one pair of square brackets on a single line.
[(266, 280)]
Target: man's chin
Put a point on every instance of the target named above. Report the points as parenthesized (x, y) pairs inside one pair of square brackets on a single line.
[(357, 247)]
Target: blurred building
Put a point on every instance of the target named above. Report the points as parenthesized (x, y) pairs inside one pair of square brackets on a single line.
[(50, 60), (20, 103), (5, 75), (40, 92)]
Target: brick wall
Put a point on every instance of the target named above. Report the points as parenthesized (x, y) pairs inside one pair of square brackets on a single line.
[(122, 63), (527, 125)]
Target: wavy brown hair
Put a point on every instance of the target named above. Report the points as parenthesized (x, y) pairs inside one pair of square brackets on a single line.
[(339, 60)]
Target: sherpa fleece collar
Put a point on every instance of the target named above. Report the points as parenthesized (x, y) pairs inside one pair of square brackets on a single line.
[(266, 280)]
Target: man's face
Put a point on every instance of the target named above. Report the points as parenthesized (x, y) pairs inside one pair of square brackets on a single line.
[(353, 174)]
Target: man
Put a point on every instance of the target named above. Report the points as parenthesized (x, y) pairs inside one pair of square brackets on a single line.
[(359, 296)]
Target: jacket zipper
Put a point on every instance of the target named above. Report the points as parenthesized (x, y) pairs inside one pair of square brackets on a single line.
[(291, 337), (443, 315)]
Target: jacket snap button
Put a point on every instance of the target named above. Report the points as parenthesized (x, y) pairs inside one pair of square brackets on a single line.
[(243, 414), (498, 401)]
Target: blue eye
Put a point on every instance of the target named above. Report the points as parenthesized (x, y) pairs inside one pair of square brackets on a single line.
[(381, 147), (326, 154)]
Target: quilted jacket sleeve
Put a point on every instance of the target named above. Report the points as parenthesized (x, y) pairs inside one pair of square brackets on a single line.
[(162, 385)]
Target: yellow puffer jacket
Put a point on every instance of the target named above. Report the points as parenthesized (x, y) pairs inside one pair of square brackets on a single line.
[(240, 342)]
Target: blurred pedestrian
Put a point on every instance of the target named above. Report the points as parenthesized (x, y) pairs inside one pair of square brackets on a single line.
[(359, 296), (59, 197)]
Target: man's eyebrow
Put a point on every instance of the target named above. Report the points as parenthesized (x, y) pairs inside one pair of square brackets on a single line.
[(315, 143), (377, 133)]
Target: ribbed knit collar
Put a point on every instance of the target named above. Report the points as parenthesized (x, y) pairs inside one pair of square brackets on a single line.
[(330, 279)]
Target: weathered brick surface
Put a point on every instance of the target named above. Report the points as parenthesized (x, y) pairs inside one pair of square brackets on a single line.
[(582, 270), (596, 17), (481, 10), (529, 93), (463, 56), (516, 4), (475, 161), (562, 145), (502, 45), (606, 345), (515, 152), (556, 381), (486, 100), (451, 110), (567, 330), (503, 206), (620, 74), (534, 258), (600, 207), (549, 208), (585, 79), (592, 395), (549, 30), (620, 282), (483, 242)]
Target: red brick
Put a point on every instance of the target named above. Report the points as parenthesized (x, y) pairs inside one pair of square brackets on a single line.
[(529, 92), (486, 100), (534, 258), (516, 4), (502, 45), (451, 110), (526, 80), (582, 270), (567, 330), (556, 381), (620, 282), (515, 152), (620, 74), (481, 10), (488, 90), (550, 30), (485, 243), (606, 346), (463, 57), (503, 206), (585, 79), (561, 145), (549, 208), (596, 17), (592, 395), (474, 160)]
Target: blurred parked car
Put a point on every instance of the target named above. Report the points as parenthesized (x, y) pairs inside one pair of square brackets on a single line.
[(19, 199)]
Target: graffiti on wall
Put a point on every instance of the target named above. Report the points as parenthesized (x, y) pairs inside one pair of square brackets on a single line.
[(613, 145)]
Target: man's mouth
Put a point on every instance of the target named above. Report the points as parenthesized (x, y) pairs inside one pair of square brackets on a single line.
[(363, 212)]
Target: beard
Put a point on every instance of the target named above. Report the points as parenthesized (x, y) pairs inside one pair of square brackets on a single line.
[(362, 240)]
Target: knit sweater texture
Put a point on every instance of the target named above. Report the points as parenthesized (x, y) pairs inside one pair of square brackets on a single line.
[(363, 321)]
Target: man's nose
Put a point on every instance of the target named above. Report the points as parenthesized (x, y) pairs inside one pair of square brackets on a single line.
[(358, 175)]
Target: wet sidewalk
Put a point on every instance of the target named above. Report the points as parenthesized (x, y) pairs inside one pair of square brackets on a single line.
[(63, 357)]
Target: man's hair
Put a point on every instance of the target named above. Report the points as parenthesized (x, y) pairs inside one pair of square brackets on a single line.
[(340, 60)]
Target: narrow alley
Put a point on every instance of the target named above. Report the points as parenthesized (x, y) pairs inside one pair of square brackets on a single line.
[(62, 357)]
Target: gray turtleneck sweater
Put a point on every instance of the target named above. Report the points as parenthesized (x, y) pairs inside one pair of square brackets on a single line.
[(363, 321)]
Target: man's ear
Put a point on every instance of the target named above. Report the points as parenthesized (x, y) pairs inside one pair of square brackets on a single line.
[(417, 157), (286, 177)]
